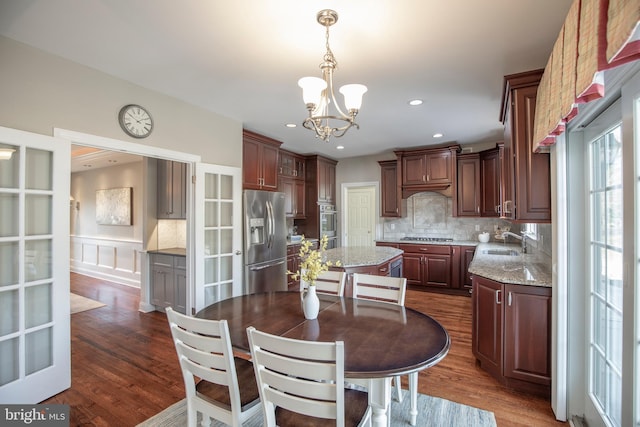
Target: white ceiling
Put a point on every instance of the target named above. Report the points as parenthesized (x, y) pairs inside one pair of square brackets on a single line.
[(243, 58)]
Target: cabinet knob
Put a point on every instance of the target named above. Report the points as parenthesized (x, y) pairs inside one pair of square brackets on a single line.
[(238, 252)]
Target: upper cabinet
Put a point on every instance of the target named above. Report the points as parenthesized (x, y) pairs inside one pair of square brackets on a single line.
[(172, 190), (390, 201), (321, 179), (291, 165), (526, 185), (259, 162), (490, 182), (468, 184), (427, 169)]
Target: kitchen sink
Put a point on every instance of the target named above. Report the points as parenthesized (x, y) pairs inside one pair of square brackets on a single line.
[(506, 252)]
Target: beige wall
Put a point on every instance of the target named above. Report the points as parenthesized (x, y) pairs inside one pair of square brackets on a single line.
[(83, 190), (40, 92)]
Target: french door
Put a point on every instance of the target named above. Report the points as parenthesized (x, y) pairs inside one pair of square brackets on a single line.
[(34, 267), (218, 234)]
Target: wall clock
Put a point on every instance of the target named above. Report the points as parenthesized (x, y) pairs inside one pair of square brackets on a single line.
[(135, 121)]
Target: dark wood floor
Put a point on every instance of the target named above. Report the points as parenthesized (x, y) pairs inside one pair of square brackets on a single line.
[(124, 368)]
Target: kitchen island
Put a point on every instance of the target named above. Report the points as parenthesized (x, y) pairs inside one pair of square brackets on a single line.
[(378, 260)]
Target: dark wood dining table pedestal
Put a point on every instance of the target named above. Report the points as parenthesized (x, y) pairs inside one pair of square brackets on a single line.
[(381, 340)]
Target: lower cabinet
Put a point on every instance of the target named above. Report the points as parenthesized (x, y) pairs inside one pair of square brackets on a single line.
[(511, 333), (293, 263), (441, 268), (169, 282)]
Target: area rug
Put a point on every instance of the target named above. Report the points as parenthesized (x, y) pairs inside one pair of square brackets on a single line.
[(432, 412), (80, 303)]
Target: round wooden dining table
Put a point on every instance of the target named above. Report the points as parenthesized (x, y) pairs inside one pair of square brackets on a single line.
[(381, 340)]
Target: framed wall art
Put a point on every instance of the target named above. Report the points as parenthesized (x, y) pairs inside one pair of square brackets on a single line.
[(113, 206)]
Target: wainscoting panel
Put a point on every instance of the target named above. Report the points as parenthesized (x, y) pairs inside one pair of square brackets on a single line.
[(114, 260)]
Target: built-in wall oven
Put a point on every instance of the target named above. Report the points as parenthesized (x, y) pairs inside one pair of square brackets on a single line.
[(329, 224)]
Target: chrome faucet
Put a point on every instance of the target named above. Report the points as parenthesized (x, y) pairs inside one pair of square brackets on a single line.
[(522, 238)]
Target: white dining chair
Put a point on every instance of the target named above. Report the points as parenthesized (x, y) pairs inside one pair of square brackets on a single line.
[(328, 282), (218, 385), (301, 383), (391, 290)]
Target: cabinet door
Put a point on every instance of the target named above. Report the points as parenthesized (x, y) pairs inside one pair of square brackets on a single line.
[(326, 182), (180, 290), (269, 167), (414, 169), (251, 170), (412, 265), (527, 335), (489, 183), (171, 190), (466, 258), (287, 186), (299, 204), (469, 185), (389, 189), (438, 167), (532, 170), (162, 286), (487, 324), (437, 271)]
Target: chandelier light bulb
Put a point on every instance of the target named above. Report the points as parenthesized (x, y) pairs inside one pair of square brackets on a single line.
[(312, 88), (353, 95)]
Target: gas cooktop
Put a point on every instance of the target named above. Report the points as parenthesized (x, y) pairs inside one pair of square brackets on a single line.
[(428, 239)]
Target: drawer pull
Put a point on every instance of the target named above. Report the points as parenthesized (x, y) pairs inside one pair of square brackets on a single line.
[(498, 297)]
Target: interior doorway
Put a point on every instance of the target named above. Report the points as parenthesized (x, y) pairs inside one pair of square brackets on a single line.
[(112, 152), (359, 213)]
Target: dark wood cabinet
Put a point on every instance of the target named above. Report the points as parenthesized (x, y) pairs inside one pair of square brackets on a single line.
[(171, 190), (259, 162), (511, 333), (391, 201), (490, 183), (326, 175), (294, 197), (293, 264), (526, 193), (468, 185), (427, 169), (427, 265), (291, 165), (461, 257), (320, 189)]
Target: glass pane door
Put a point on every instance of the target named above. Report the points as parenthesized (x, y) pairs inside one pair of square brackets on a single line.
[(606, 210), (34, 260), (218, 234)]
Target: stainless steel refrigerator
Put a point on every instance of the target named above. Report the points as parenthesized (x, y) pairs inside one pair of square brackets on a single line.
[(265, 242)]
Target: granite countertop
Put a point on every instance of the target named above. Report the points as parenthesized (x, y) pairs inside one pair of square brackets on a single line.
[(357, 256), (422, 242), (523, 269), (170, 251)]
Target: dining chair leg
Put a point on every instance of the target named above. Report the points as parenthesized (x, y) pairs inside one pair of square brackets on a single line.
[(413, 392), (396, 382)]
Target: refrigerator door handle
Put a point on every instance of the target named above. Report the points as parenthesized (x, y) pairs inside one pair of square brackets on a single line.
[(270, 224), (265, 266)]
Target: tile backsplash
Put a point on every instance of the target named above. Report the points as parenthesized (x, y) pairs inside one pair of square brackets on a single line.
[(429, 214)]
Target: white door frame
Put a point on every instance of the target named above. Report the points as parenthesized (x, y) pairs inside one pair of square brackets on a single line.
[(344, 188), (110, 144)]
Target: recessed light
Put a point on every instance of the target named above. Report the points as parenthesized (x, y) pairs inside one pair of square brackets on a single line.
[(438, 135), (290, 125), (415, 102), (339, 147)]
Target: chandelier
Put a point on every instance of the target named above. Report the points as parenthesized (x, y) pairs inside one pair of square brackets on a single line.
[(318, 93)]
